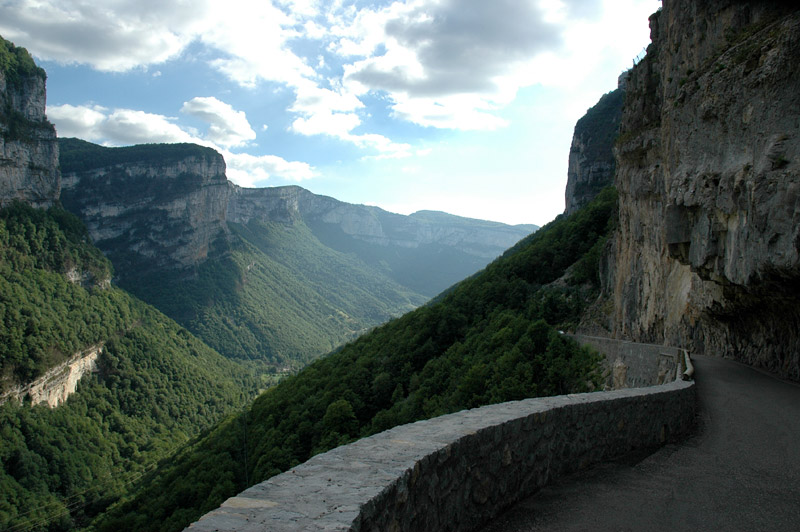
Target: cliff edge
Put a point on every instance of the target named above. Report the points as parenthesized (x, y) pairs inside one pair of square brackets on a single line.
[(707, 253), (591, 156), (147, 207), (28, 146)]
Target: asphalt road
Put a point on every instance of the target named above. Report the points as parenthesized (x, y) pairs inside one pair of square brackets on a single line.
[(739, 471)]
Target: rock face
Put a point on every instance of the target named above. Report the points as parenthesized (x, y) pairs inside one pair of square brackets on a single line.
[(427, 251), (59, 382), (148, 207), (28, 146), (707, 254), (591, 157)]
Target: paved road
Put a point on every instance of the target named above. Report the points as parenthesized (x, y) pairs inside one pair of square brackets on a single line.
[(740, 471)]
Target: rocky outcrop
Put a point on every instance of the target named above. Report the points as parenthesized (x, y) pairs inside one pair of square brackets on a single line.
[(58, 382), (28, 146), (707, 254), (152, 208), (591, 157)]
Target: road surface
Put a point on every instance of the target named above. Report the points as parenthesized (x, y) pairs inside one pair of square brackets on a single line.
[(739, 471)]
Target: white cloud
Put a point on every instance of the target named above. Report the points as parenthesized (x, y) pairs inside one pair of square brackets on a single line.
[(254, 39), (76, 121), (117, 127), (448, 64), (128, 126), (227, 126), (322, 123), (110, 36), (247, 170)]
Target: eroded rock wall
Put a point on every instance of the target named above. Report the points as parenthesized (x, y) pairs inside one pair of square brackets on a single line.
[(707, 255), (59, 382), (28, 146), (152, 214)]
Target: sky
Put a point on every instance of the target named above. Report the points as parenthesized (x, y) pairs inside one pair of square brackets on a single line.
[(462, 106)]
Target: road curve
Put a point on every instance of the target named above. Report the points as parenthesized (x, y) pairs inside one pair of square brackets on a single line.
[(740, 471)]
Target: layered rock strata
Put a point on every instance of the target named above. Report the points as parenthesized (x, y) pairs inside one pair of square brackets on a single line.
[(152, 213), (59, 382), (707, 255)]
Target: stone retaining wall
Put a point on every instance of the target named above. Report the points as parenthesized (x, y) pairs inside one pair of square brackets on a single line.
[(458, 471), (632, 365)]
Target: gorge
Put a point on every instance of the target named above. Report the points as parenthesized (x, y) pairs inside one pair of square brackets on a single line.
[(697, 248)]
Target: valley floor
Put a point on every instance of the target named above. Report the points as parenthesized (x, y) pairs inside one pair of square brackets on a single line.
[(739, 471)]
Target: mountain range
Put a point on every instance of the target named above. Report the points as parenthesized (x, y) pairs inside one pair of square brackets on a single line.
[(276, 274)]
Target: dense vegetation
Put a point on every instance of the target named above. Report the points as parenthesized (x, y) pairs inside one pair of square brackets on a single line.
[(78, 155), (276, 295), (16, 64), (44, 318), (599, 127), (490, 339), (157, 385)]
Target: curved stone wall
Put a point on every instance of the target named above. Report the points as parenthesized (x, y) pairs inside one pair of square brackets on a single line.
[(457, 471)]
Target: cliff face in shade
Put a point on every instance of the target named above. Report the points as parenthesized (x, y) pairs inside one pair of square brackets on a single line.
[(28, 146), (707, 254), (149, 207), (591, 156)]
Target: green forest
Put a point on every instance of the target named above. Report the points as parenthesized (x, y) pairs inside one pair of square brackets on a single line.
[(492, 338), (157, 385), (78, 155), (276, 295)]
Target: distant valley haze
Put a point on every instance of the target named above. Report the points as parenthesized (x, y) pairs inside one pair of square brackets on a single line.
[(463, 106)]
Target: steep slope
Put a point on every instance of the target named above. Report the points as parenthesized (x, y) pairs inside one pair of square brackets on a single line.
[(708, 249), (153, 385), (150, 207), (126, 384), (277, 295), (28, 147), (490, 339)]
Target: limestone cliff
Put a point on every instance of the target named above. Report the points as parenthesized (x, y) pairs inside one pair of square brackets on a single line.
[(591, 158), (59, 382), (28, 147), (707, 254), (147, 207)]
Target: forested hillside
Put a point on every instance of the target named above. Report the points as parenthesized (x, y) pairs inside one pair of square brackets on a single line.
[(492, 338), (276, 295), (263, 291), (156, 386)]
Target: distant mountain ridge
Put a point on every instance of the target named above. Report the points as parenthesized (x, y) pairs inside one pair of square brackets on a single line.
[(427, 251)]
